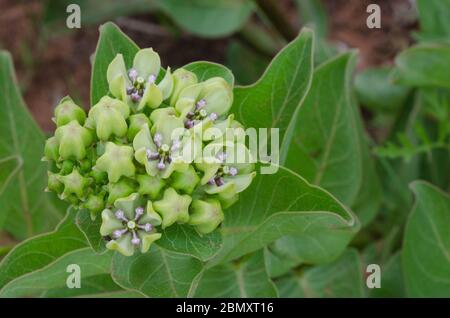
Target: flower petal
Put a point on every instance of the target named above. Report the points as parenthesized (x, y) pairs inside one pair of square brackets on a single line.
[(109, 223), (166, 84), (152, 97), (122, 245), (143, 139), (147, 240), (147, 62)]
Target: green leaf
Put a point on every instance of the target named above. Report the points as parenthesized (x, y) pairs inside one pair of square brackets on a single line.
[(208, 18), (95, 286), (112, 41), (342, 278), (281, 204), (206, 70), (157, 273), (433, 19), (424, 65), (371, 84), (426, 249), (326, 150), (93, 11), (370, 195), (56, 274), (41, 250), (247, 278), (275, 99), (26, 209), (91, 230), (392, 283), (185, 239)]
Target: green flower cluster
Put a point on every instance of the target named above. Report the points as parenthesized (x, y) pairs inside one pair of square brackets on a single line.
[(126, 159)]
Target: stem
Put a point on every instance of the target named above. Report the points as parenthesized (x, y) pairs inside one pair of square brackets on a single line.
[(258, 40), (274, 13)]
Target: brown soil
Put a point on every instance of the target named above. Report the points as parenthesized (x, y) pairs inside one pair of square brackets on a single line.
[(52, 66)]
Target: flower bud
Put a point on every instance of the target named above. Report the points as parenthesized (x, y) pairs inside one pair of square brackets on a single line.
[(95, 204), (206, 215), (73, 140), (181, 79), (109, 118), (74, 183), (136, 123), (51, 150), (67, 111), (150, 186), (185, 181), (100, 177), (173, 207), (53, 183), (120, 189), (117, 161), (85, 165), (66, 167)]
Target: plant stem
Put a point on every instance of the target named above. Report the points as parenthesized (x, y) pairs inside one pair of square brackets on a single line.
[(258, 40), (274, 13)]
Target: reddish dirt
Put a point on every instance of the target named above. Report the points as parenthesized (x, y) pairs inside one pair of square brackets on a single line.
[(50, 67)]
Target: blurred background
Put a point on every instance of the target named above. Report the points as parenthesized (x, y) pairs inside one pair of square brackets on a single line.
[(53, 61)]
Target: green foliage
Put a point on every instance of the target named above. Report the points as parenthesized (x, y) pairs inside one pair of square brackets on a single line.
[(26, 210), (373, 83), (425, 255), (342, 278), (295, 233), (433, 17), (208, 18)]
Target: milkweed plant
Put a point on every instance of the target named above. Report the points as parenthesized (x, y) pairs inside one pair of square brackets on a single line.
[(177, 182)]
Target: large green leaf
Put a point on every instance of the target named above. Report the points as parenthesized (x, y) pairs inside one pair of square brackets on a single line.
[(111, 42), (247, 278), (91, 230), (185, 239), (157, 273), (392, 283), (342, 278), (39, 251), (424, 65), (433, 19), (25, 208), (55, 275), (371, 84), (426, 249), (326, 150), (208, 18), (275, 99), (281, 204)]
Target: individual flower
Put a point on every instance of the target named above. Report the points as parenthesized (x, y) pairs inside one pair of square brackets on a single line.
[(131, 224), (162, 150), (74, 184), (204, 102), (206, 215), (117, 161), (137, 86), (227, 169), (66, 111), (108, 117), (73, 139), (173, 207)]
